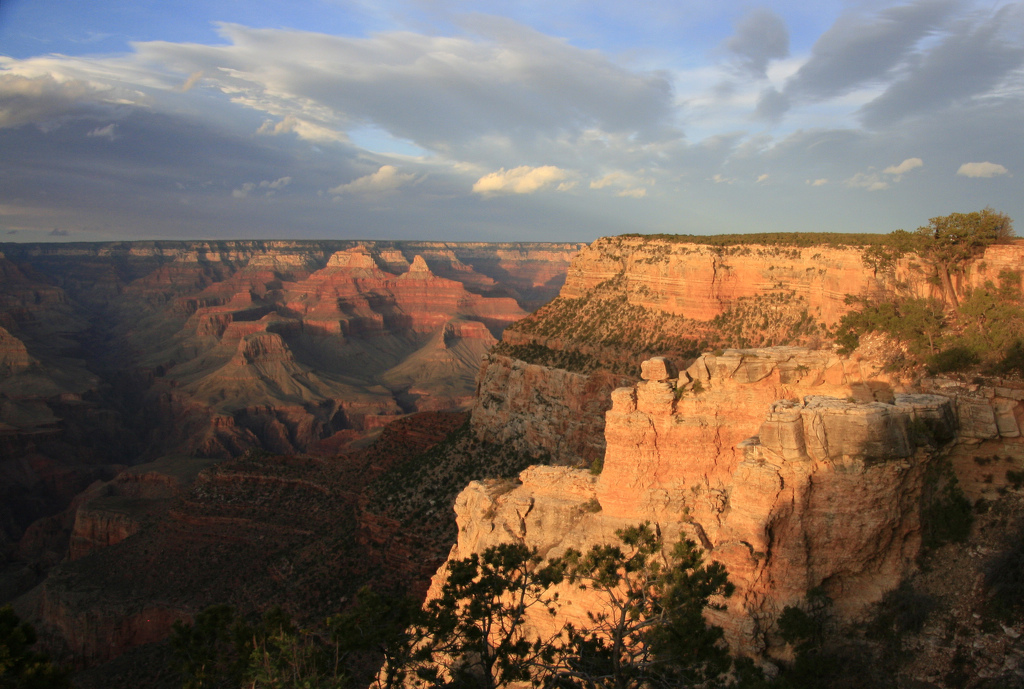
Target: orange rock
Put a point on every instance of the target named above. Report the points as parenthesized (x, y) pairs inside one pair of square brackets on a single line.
[(771, 468)]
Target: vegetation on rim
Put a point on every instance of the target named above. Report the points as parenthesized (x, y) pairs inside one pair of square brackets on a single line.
[(606, 329)]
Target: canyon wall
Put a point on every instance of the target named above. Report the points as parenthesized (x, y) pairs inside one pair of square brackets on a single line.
[(794, 468), (628, 298), (543, 411), (113, 354), (701, 282)]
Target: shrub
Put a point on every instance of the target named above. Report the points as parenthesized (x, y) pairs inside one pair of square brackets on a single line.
[(1012, 361), (947, 516), (1015, 478), (953, 359), (20, 666), (1004, 575), (901, 611)]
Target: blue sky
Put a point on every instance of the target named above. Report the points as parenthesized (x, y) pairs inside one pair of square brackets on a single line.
[(437, 119)]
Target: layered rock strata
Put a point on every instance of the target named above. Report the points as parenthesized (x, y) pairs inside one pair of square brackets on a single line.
[(701, 282), (543, 411), (628, 298), (794, 468), (119, 353)]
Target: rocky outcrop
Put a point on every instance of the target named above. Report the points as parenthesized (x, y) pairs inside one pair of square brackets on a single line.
[(628, 298), (543, 411), (794, 468)]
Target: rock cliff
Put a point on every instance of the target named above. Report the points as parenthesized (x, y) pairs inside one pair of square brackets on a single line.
[(631, 297), (795, 468)]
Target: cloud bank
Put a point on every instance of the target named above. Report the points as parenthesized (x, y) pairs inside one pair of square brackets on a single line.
[(769, 128)]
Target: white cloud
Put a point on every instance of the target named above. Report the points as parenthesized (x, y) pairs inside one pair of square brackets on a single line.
[(628, 185), (270, 186), (42, 99), (717, 178), (867, 180), (985, 169), (302, 128), (279, 183), (521, 180), (904, 167), (386, 179), (243, 191), (762, 178), (103, 132), (818, 182), (874, 181)]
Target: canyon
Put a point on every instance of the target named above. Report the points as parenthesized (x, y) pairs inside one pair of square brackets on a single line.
[(120, 354), (690, 385)]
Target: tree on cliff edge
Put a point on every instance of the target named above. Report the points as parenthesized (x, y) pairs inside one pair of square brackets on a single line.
[(951, 240), (651, 629), (473, 634)]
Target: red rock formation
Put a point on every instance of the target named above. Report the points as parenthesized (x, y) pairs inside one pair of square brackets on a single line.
[(701, 282), (768, 465), (540, 410)]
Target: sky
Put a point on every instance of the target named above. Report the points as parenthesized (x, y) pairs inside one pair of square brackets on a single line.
[(504, 121)]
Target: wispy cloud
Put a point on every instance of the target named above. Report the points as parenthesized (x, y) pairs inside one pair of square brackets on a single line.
[(884, 87), (267, 186), (103, 132), (904, 167), (761, 36), (625, 184)]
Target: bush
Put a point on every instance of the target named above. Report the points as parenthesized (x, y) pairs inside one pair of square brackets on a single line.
[(901, 611), (948, 515), (1004, 576), (1015, 478), (20, 666), (1012, 361), (953, 359)]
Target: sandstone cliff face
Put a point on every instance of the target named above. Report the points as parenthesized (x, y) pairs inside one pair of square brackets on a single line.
[(541, 410), (793, 468), (628, 298), (701, 282)]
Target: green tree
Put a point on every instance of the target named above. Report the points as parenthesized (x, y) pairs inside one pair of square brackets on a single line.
[(916, 323), (949, 241), (221, 650), (20, 666), (293, 658), (650, 629), (473, 633)]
